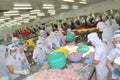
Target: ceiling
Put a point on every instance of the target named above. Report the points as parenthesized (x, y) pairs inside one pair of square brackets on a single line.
[(6, 5)]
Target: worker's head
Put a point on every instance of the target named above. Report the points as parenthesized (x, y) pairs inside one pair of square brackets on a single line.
[(101, 26), (39, 43), (43, 33), (12, 49), (69, 30), (117, 38), (93, 38), (15, 40)]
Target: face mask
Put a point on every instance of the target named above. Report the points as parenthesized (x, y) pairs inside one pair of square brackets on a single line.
[(117, 45), (13, 54)]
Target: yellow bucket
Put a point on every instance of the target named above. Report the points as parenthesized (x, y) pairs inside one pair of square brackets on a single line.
[(30, 43), (64, 50)]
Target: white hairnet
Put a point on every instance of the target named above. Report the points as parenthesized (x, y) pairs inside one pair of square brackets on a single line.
[(39, 43), (116, 34), (12, 47), (101, 26), (69, 30), (92, 36), (42, 33), (14, 39)]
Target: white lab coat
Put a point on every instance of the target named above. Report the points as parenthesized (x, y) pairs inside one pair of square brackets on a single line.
[(23, 54), (114, 25), (115, 53), (101, 69), (106, 35), (3, 69), (16, 63), (39, 53)]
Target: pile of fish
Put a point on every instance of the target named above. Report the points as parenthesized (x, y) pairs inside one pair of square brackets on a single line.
[(68, 73)]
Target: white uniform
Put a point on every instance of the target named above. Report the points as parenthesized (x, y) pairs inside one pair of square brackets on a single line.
[(3, 69), (16, 63), (101, 69), (39, 53), (115, 53), (100, 55), (106, 35), (114, 25)]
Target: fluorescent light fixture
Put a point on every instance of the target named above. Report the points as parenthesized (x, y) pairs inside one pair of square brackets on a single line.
[(17, 8), (40, 14), (22, 4), (17, 18), (74, 7), (64, 7), (51, 10), (68, 0), (82, 2), (46, 5), (33, 17), (11, 12), (52, 13)]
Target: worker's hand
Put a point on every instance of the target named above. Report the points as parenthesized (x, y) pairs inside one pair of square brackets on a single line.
[(38, 61), (115, 73), (26, 72), (89, 60), (89, 55)]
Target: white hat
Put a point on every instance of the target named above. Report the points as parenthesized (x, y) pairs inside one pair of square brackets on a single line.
[(116, 34), (92, 36), (14, 39), (42, 32), (69, 30), (101, 26), (39, 43), (12, 47)]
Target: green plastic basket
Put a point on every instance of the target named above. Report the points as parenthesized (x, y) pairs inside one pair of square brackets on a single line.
[(56, 60), (83, 49), (21, 42)]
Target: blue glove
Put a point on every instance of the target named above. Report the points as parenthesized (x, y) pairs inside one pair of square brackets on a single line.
[(24, 66), (62, 43), (89, 60), (115, 73), (54, 47), (38, 61)]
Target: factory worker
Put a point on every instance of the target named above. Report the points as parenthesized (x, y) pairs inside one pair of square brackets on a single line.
[(48, 29), (39, 53), (115, 53), (107, 34), (43, 35), (99, 56), (20, 49), (54, 38), (14, 63), (69, 31), (4, 73), (61, 36), (114, 25)]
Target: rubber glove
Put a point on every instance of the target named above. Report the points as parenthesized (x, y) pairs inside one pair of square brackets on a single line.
[(24, 66), (39, 61), (54, 47), (89, 60), (23, 72), (115, 73), (62, 43), (4, 78)]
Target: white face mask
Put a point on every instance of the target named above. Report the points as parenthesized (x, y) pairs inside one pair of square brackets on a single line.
[(117, 45), (13, 54)]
